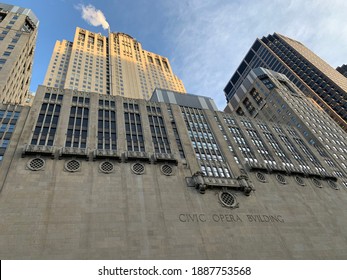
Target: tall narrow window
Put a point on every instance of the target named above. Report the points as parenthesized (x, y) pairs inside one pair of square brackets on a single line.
[(174, 128), (133, 127), (158, 131), (47, 121), (77, 132), (107, 127)]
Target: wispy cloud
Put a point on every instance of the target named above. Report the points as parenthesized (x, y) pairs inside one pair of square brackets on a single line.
[(92, 15), (210, 38)]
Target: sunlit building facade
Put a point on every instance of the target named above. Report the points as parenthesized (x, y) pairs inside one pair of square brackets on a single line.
[(18, 32), (114, 65)]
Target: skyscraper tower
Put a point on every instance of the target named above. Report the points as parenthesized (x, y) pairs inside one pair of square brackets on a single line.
[(342, 69), (114, 65), (18, 32), (310, 73), (271, 96)]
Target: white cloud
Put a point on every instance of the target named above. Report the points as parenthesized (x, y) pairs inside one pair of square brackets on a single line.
[(92, 15), (211, 38)]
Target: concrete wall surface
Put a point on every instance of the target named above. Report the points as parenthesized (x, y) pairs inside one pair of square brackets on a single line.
[(55, 214)]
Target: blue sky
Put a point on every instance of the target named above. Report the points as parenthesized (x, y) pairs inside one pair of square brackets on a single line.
[(205, 40)]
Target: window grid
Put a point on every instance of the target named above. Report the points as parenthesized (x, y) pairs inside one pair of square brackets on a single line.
[(47, 121), (262, 150), (242, 144), (264, 127), (205, 146), (107, 103), (107, 137), (133, 127), (321, 151), (256, 96), (278, 150), (267, 82), (338, 173), (77, 132), (248, 106), (229, 120), (230, 147), (295, 153), (310, 156), (177, 136), (159, 136), (8, 120)]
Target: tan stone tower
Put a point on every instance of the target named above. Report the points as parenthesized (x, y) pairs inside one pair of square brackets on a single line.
[(115, 65), (18, 32)]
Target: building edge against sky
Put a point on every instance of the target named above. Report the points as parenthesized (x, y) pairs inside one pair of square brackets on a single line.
[(342, 69), (108, 177), (313, 76), (112, 177), (18, 32), (115, 65), (18, 28), (269, 95), (116, 196)]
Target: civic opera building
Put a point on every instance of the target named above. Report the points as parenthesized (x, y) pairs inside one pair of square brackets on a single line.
[(91, 176), (113, 160)]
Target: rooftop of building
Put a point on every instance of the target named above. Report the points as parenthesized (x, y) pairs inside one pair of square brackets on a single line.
[(20, 10), (183, 99)]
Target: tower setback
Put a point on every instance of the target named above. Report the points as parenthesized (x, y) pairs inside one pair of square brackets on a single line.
[(114, 65)]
